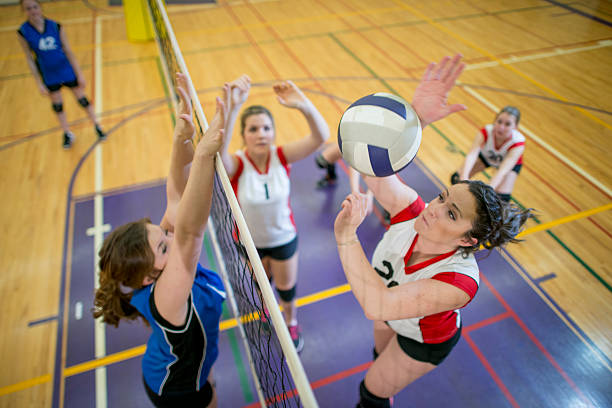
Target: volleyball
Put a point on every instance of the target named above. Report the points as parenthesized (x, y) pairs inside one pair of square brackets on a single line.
[(379, 134)]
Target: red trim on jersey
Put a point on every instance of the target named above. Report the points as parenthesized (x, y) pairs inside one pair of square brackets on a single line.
[(442, 326), (424, 264), (256, 168), (410, 212), (234, 180), (485, 134), (461, 281), (283, 160), (516, 145)]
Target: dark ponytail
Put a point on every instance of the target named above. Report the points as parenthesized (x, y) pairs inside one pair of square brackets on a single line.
[(125, 260), (497, 222)]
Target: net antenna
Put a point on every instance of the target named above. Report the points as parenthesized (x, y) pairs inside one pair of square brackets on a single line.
[(247, 284)]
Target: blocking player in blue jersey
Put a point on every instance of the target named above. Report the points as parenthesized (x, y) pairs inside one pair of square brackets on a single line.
[(53, 65)]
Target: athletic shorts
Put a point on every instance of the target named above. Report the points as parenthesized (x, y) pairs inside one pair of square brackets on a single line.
[(280, 253), (56, 87), (191, 399), (516, 168), (428, 353)]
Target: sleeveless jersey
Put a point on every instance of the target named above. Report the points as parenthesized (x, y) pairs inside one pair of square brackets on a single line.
[(389, 260), (494, 154), (179, 359), (47, 47), (264, 199)]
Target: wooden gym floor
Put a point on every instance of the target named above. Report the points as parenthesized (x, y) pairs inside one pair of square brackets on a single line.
[(551, 59)]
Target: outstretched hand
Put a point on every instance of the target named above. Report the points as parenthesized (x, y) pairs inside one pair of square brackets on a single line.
[(184, 128), (236, 92), (354, 210), (290, 95), (430, 97), (213, 138)]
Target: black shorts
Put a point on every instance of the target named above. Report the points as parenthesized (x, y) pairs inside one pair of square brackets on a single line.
[(428, 353), (516, 168), (56, 87), (191, 399), (281, 252)]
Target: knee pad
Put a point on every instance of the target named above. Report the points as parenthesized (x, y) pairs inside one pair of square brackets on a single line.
[(504, 197), (83, 102), (287, 295), (57, 107), (369, 400), (374, 353)]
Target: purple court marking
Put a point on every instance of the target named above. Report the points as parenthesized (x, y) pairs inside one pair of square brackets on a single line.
[(545, 278), (580, 12), (41, 321), (339, 338)]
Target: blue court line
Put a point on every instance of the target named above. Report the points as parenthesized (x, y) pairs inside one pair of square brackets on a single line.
[(545, 278), (580, 12), (43, 320)]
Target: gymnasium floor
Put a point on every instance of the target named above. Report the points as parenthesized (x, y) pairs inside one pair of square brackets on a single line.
[(518, 349), (538, 334)]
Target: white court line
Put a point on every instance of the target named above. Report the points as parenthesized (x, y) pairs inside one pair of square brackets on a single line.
[(99, 327), (554, 53), (548, 147)]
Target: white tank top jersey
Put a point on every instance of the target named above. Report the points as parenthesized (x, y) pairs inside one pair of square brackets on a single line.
[(496, 154), (390, 259), (264, 199)]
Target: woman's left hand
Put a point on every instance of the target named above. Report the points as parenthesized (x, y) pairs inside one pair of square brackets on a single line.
[(354, 210), (290, 95)]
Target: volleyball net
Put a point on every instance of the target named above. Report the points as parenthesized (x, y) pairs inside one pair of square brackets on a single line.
[(278, 374)]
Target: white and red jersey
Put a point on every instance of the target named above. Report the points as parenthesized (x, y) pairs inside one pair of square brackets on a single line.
[(264, 199), (390, 259), (496, 154)]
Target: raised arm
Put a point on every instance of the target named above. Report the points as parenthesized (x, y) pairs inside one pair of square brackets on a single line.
[(420, 298), (181, 156), (291, 96), (32, 65), (174, 284), (471, 157), (235, 93)]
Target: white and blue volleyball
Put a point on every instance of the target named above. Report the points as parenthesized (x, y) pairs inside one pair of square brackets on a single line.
[(379, 134)]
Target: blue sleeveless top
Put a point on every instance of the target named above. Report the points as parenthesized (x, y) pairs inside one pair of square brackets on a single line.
[(179, 359), (52, 62)]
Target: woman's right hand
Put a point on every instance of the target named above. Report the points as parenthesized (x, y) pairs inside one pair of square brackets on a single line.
[(236, 92), (354, 210), (184, 128)]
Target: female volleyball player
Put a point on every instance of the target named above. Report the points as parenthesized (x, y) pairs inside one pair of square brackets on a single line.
[(152, 271), (260, 175), (53, 65), (499, 145), (423, 270)]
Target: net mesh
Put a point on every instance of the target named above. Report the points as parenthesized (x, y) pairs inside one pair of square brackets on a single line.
[(268, 361)]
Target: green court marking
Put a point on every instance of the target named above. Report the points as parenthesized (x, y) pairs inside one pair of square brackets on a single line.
[(451, 144), (166, 90), (231, 334)]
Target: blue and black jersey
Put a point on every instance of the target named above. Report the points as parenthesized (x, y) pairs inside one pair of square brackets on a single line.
[(178, 359), (49, 53)]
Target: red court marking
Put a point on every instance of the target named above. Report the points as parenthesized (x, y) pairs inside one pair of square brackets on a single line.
[(491, 371), (534, 339)]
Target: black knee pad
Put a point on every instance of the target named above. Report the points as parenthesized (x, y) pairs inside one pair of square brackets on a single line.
[(504, 197), (369, 400), (58, 107), (287, 295), (83, 102)]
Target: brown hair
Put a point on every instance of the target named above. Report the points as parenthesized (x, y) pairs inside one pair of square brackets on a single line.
[(497, 222), (126, 258), (253, 110)]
